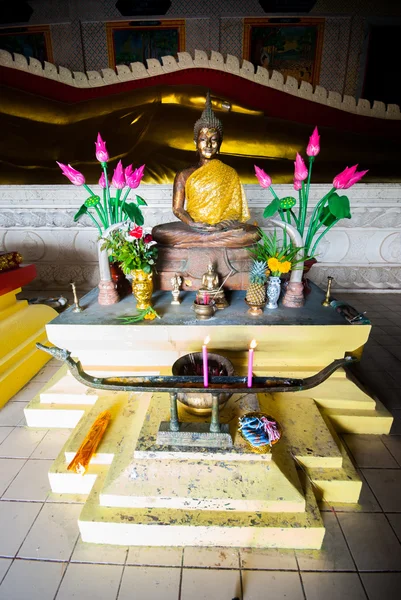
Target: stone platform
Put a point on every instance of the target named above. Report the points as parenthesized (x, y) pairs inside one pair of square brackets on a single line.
[(139, 493)]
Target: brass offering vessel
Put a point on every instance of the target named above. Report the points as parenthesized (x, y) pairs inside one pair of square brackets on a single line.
[(192, 364)]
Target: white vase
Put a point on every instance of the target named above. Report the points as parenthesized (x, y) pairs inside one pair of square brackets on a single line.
[(273, 291)]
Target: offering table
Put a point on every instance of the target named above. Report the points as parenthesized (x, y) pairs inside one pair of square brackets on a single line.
[(142, 493)]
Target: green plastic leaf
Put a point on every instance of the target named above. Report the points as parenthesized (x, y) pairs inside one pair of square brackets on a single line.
[(271, 208), (287, 203), (339, 206), (141, 201), (82, 211), (92, 201), (326, 217), (134, 213)]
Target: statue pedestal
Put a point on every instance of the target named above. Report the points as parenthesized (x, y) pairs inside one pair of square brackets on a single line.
[(142, 493), (192, 263)]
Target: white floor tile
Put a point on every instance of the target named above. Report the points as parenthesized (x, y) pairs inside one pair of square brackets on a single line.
[(373, 544), (54, 533), (369, 451), (12, 413), (334, 555), (210, 584), (99, 553), (154, 556), (150, 583), (386, 485), (28, 392), (21, 442), (5, 432), (99, 582), (16, 519), (32, 580), (52, 443), (4, 565), (9, 468), (218, 558), (382, 586), (333, 586), (271, 559), (31, 483), (277, 585)]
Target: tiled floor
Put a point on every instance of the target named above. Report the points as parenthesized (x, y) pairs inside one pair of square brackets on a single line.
[(42, 556)]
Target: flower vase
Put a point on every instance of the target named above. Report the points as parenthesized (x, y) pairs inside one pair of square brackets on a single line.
[(121, 282), (142, 288), (273, 291)]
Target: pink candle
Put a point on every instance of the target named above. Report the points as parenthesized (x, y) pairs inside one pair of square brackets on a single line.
[(252, 345), (205, 365)]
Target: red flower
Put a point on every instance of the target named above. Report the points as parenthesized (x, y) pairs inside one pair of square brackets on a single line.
[(148, 238), (136, 232)]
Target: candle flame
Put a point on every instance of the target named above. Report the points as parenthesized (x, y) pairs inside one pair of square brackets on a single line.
[(253, 344), (206, 340)]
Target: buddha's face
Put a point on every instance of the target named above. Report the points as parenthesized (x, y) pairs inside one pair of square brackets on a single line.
[(208, 143)]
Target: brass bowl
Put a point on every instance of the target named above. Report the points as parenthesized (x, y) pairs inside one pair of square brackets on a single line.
[(255, 310), (268, 447), (192, 364), (204, 311)]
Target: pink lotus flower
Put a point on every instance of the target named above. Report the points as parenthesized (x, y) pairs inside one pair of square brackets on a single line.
[(263, 178), (102, 181), (136, 232), (148, 238), (301, 172), (101, 150), (313, 147), (128, 171), (74, 176), (297, 185), (348, 177), (357, 176), (134, 179), (118, 180)]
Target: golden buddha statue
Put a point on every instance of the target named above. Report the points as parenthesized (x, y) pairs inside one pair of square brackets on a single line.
[(208, 197), (210, 287)]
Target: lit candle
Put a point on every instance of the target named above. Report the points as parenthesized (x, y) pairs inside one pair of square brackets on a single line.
[(252, 345), (205, 365)]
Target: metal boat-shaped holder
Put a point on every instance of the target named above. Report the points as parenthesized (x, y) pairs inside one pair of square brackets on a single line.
[(205, 435)]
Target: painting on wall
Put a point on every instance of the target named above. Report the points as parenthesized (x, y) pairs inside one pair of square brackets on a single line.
[(291, 46), (32, 42), (129, 42)]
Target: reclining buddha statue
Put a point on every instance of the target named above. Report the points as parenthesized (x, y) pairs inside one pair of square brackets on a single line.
[(208, 197)]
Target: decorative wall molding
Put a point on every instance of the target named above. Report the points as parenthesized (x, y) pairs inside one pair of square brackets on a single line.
[(231, 64), (362, 253)]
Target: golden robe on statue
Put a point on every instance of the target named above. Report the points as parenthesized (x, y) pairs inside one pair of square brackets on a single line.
[(214, 193)]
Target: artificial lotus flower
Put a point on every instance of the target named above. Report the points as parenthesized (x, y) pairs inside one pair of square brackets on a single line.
[(297, 185), (118, 180), (128, 171), (313, 147), (301, 172), (101, 150), (134, 179), (72, 174), (357, 176), (341, 180), (136, 232), (263, 178), (102, 181)]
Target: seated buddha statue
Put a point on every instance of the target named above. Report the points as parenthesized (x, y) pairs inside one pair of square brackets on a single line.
[(208, 197)]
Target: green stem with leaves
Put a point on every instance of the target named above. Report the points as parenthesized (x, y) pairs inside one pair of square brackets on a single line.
[(106, 178), (95, 222), (321, 235), (123, 203), (314, 222)]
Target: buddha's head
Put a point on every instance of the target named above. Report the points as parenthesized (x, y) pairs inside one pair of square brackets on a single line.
[(208, 132)]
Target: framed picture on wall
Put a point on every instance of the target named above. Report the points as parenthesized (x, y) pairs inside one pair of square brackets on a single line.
[(291, 46), (32, 41), (136, 41)]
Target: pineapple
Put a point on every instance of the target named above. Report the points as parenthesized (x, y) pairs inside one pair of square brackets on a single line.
[(256, 293)]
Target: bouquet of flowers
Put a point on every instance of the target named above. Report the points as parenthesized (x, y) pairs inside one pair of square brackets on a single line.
[(132, 248), (114, 208), (327, 212), (279, 259)]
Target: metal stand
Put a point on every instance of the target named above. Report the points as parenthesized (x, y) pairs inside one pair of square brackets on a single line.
[(215, 421), (174, 422)]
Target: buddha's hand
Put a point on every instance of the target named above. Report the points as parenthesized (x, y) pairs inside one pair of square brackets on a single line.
[(203, 226), (229, 224)]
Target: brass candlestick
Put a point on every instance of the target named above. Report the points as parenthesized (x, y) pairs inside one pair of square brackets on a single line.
[(326, 301), (77, 308)]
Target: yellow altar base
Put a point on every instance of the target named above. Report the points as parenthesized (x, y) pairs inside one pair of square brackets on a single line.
[(21, 326)]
